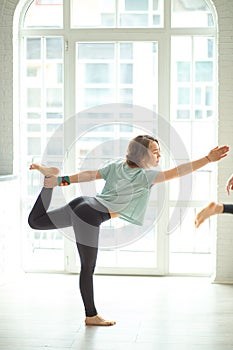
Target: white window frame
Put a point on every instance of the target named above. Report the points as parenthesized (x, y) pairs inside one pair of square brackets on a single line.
[(163, 37)]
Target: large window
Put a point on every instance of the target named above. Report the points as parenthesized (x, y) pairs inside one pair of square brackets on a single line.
[(121, 13), (96, 72), (117, 72)]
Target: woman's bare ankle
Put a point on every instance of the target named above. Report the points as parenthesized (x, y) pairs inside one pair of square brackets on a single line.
[(219, 208)]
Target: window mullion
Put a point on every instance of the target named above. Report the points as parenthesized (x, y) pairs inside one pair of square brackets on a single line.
[(43, 95), (117, 13), (117, 70), (66, 15), (167, 14)]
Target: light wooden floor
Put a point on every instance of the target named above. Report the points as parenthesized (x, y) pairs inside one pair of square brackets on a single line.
[(43, 311)]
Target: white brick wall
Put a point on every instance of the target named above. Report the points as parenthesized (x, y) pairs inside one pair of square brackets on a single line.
[(224, 248), (6, 86), (9, 229)]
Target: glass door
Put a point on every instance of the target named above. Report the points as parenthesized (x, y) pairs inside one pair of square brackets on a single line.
[(193, 99), (42, 109), (110, 85)]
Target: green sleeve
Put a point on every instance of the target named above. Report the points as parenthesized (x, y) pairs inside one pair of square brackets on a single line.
[(104, 172)]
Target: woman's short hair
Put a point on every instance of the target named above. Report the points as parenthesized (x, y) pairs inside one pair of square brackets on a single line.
[(137, 152)]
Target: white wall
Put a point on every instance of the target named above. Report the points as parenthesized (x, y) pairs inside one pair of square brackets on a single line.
[(224, 243), (224, 246), (9, 228), (6, 86)]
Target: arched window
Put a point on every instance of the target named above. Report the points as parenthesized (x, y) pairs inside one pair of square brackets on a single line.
[(152, 55)]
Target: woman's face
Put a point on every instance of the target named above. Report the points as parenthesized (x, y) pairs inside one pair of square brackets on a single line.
[(154, 151)]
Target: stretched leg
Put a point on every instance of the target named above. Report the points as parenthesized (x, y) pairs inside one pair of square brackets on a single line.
[(211, 209), (228, 208), (86, 226), (41, 219), (86, 222), (88, 256)]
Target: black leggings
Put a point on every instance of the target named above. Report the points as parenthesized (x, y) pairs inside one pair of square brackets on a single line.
[(228, 208), (86, 215)]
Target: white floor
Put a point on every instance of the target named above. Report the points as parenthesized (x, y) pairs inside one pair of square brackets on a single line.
[(43, 311)]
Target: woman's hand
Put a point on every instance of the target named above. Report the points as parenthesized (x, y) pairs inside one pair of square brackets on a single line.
[(50, 181), (217, 153), (229, 185)]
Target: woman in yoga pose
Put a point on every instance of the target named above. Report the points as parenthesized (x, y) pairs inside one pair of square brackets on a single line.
[(125, 195), (215, 208)]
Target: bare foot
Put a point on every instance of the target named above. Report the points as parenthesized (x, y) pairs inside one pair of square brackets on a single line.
[(46, 171), (98, 321), (211, 209)]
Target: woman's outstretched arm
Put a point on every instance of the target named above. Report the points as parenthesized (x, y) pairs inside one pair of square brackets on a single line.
[(84, 176), (214, 155)]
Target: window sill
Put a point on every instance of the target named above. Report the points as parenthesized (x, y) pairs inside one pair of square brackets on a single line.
[(8, 177)]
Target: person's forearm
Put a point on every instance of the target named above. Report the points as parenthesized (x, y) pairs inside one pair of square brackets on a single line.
[(84, 176), (181, 170), (187, 168)]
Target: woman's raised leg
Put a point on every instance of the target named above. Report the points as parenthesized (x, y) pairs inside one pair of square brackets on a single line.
[(42, 219)]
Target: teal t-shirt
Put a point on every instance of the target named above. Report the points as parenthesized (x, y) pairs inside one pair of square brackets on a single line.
[(126, 190)]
